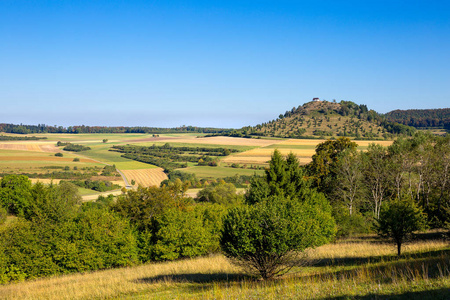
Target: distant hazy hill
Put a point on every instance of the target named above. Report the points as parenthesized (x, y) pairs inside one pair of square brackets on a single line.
[(327, 119), (420, 118)]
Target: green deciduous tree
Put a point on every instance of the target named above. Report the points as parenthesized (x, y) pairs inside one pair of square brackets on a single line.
[(15, 194), (399, 219), (282, 218), (268, 238)]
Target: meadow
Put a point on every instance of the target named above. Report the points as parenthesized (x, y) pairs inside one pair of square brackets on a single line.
[(361, 267)]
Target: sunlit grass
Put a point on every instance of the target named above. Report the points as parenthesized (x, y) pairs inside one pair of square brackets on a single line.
[(361, 267)]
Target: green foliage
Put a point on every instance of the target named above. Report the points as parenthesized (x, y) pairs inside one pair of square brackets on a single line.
[(268, 238), (76, 147), (93, 240), (170, 158), (15, 194), (96, 185), (169, 225), (3, 215), (282, 218), (284, 177), (76, 159), (59, 154), (399, 219), (55, 203), (326, 157), (223, 193)]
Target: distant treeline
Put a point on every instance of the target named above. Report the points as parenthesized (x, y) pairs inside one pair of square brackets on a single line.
[(421, 118), (20, 138), (42, 128)]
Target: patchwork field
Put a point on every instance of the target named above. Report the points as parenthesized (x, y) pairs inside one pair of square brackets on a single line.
[(304, 149), (33, 156), (146, 177)]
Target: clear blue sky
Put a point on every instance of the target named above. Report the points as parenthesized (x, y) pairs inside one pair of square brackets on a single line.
[(216, 63)]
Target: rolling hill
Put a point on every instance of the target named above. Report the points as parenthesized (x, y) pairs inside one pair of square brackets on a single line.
[(324, 119)]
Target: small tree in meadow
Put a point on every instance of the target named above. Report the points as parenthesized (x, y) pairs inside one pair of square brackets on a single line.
[(282, 218), (399, 219)]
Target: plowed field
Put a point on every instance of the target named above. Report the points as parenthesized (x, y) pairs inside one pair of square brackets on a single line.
[(146, 177)]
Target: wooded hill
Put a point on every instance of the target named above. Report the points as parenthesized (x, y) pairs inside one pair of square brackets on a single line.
[(323, 119), (421, 118)]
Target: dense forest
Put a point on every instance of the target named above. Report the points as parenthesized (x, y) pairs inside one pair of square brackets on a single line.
[(421, 118)]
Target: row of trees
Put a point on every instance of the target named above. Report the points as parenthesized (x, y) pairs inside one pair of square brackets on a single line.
[(42, 128), (359, 183)]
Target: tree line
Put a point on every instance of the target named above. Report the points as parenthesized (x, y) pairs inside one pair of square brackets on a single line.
[(420, 118), (42, 128)]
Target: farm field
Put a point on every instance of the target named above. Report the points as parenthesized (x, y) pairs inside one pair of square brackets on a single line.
[(361, 267), (304, 149), (219, 172), (146, 177), (33, 156)]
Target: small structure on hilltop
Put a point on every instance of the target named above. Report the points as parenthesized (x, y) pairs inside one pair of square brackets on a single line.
[(316, 100)]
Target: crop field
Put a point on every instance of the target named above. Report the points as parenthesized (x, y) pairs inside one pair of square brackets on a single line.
[(219, 172), (304, 149), (33, 156), (146, 177), (356, 268)]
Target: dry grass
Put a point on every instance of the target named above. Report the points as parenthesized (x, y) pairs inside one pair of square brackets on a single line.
[(146, 177), (362, 267)]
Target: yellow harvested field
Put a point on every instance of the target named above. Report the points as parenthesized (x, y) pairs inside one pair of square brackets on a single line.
[(314, 142), (43, 158), (222, 140), (146, 177), (29, 147), (262, 155), (45, 180)]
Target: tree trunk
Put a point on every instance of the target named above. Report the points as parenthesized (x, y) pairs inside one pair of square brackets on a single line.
[(399, 248)]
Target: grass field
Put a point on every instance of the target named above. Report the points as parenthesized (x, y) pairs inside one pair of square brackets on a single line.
[(218, 172), (358, 268)]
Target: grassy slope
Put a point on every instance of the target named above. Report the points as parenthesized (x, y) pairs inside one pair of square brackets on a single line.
[(361, 268)]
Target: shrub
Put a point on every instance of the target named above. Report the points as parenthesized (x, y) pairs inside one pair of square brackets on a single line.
[(268, 238), (59, 154), (399, 219)]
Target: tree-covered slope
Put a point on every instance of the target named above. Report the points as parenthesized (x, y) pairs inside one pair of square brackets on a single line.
[(421, 118), (327, 119)]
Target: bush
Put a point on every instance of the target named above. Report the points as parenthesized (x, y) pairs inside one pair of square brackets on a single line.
[(95, 239), (76, 159), (399, 219), (3, 215), (268, 238), (59, 154)]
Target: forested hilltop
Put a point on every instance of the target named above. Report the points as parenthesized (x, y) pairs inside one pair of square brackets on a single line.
[(324, 119), (421, 118), (42, 128)]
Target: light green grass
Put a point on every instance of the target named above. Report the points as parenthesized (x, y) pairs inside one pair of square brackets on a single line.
[(219, 172)]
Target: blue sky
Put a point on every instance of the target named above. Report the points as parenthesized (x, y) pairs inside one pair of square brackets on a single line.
[(216, 63)]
